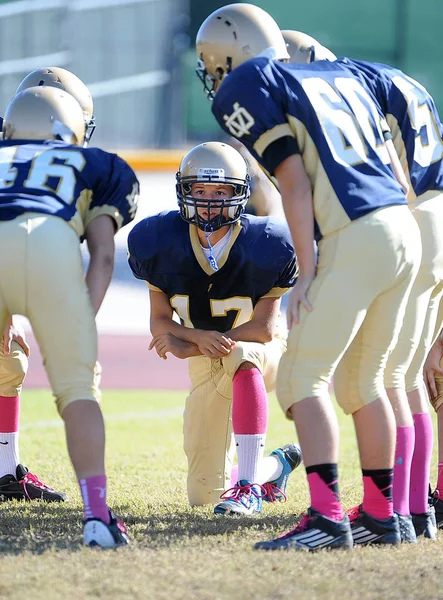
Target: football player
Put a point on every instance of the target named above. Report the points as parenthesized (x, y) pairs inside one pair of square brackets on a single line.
[(433, 374), (54, 192), (414, 125), (317, 130), (223, 273), (16, 482)]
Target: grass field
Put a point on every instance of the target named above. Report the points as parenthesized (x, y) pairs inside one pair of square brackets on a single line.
[(178, 552)]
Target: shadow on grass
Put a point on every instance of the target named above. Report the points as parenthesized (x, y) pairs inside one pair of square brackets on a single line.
[(38, 527), (167, 529)]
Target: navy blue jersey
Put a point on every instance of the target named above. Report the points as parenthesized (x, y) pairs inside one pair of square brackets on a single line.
[(73, 183), (323, 113), (413, 119), (258, 262)]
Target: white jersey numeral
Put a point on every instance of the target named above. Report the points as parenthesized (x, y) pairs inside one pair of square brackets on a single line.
[(44, 173), (219, 308), (349, 119), (428, 143)]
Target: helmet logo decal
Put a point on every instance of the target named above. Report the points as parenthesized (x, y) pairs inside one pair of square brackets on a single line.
[(206, 173), (239, 122)]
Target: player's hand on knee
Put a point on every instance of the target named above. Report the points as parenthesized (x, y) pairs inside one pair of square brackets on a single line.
[(14, 333), (432, 368), (214, 344), (167, 342), (297, 298)]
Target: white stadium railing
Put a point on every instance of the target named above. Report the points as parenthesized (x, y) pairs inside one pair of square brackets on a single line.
[(122, 49)]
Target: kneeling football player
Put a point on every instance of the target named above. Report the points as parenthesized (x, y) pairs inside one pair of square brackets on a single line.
[(223, 273)]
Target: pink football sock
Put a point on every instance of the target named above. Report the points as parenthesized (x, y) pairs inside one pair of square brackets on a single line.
[(9, 421), (249, 403), (404, 450), (421, 463), (323, 499), (377, 493), (249, 421), (93, 490), (9, 414)]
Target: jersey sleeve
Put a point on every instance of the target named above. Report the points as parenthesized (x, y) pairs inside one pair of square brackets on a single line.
[(116, 194), (283, 257), (250, 106), (141, 253), (286, 280)]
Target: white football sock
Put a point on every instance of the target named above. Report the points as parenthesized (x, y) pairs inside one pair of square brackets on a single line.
[(270, 469), (250, 450), (9, 453)]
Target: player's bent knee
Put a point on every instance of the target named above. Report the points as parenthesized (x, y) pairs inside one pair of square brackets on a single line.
[(13, 369), (246, 366), (293, 386), (242, 353), (62, 400), (413, 382), (394, 380)]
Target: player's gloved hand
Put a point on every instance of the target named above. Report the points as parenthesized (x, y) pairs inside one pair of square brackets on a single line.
[(167, 342), (432, 368), (213, 344), (14, 333), (298, 297)]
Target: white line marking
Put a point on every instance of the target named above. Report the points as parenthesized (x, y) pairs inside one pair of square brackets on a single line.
[(161, 414)]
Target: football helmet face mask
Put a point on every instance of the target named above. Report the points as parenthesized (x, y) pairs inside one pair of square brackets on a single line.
[(232, 35), (44, 113), (304, 49), (214, 163), (68, 82)]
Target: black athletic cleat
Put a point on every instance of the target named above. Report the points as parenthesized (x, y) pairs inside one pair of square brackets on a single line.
[(425, 524), (290, 457), (434, 500), (407, 530), (98, 534), (314, 532), (27, 486), (369, 530)]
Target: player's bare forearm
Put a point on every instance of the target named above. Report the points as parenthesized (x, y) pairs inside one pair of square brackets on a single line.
[(100, 239), (296, 192), (253, 331), (168, 325), (165, 343), (98, 278)]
